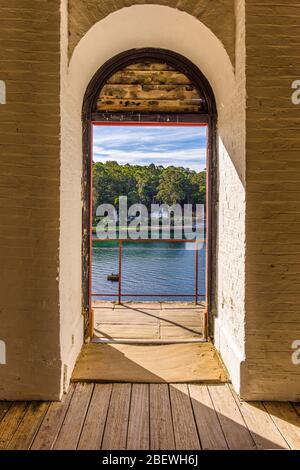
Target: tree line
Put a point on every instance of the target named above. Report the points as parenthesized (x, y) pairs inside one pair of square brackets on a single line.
[(152, 184)]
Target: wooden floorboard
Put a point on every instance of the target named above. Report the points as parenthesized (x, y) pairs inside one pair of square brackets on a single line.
[(29, 425), (115, 434), (125, 332), (52, 423), (233, 425), (261, 426), (160, 416), (297, 407), (208, 424), (71, 428), (172, 363), (185, 430), (94, 425), (138, 437), (161, 423), (4, 407), (11, 422), (148, 321), (287, 421)]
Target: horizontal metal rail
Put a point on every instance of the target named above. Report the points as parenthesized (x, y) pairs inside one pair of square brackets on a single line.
[(148, 295), (120, 294), (146, 240)]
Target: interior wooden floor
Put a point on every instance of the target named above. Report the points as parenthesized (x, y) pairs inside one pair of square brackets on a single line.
[(149, 417), (149, 342), (148, 321), (165, 363)]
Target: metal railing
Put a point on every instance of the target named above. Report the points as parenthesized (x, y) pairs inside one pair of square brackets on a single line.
[(120, 294)]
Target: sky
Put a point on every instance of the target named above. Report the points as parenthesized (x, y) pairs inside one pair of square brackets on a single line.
[(140, 145)]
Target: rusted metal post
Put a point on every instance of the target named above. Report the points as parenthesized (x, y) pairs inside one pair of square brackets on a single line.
[(120, 271), (197, 272)]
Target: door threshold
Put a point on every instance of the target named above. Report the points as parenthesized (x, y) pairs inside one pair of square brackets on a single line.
[(147, 341)]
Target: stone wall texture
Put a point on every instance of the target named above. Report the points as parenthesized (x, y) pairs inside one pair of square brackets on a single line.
[(29, 192), (273, 199)]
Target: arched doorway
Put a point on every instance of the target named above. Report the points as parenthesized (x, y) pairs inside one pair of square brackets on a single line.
[(196, 105)]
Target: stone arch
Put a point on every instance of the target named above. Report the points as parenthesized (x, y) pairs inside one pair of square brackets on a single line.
[(134, 25), (83, 15), (193, 76), (197, 43)]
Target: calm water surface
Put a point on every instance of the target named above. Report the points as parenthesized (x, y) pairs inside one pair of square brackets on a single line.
[(148, 268)]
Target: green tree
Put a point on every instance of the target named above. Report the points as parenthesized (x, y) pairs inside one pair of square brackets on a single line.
[(146, 184), (172, 186)]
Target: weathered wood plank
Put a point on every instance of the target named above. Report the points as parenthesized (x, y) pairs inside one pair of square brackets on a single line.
[(184, 322), (4, 407), (161, 425), (139, 306), (149, 78), (148, 65), (71, 429), (287, 421), (149, 92), (182, 316), (10, 422), (115, 433), (24, 435), (181, 323), (263, 430), (184, 332), (188, 306), (297, 407), (185, 430), (103, 304), (233, 425), (139, 419), (93, 428), (175, 363), (154, 416), (129, 331), (165, 106), (121, 316), (209, 428), (52, 423)]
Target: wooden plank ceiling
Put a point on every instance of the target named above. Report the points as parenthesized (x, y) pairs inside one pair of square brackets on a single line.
[(150, 87)]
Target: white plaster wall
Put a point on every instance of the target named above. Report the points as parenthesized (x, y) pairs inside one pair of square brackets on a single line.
[(71, 319), (162, 27), (230, 337), (152, 26)]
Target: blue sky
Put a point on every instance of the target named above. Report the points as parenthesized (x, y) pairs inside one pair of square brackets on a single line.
[(178, 146)]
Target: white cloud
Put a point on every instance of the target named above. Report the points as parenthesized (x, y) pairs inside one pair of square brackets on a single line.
[(179, 146)]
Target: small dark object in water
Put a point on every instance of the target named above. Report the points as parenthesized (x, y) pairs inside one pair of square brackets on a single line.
[(113, 277)]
